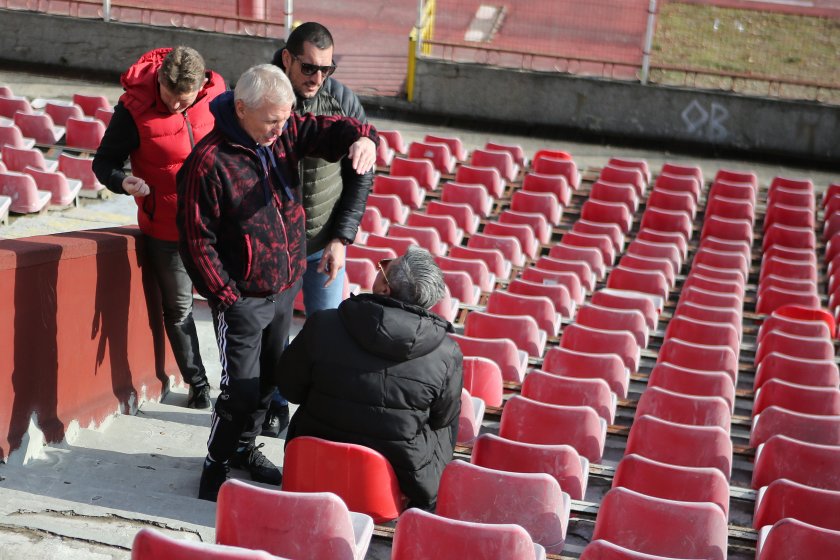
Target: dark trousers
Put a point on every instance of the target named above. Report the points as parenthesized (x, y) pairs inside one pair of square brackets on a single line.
[(251, 335), (176, 291)]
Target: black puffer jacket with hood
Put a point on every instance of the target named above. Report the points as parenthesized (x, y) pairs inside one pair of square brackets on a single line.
[(383, 374)]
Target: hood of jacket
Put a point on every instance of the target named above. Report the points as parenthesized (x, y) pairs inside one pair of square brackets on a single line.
[(391, 329), (224, 111)]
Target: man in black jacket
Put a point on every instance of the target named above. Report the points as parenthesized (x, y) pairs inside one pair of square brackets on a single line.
[(334, 195), (391, 379)]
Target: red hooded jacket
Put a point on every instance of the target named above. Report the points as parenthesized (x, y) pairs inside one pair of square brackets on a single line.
[(166, 139)]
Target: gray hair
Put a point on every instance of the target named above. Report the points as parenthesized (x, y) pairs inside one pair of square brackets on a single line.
[(415, 278), (264, 83)]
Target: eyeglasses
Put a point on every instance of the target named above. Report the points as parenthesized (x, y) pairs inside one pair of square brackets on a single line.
[(308, 69), (383, 264)]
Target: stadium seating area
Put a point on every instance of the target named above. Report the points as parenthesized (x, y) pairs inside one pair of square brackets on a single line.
[(646, 351), (47, 148)]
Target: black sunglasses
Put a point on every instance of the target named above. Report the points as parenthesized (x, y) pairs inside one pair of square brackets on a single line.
[(310, 69)]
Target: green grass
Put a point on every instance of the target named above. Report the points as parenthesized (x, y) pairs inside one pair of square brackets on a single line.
[(783, 46)]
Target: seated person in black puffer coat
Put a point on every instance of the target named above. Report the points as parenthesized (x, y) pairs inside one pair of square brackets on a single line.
[(380, 371)]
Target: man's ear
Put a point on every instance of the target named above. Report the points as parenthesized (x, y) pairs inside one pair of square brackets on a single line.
[(287, 59)]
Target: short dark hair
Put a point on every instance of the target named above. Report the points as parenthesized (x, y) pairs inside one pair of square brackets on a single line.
[(182, 70), (309, 32)]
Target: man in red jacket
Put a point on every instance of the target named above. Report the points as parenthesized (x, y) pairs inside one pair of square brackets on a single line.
[(243, 241), (164, 111)]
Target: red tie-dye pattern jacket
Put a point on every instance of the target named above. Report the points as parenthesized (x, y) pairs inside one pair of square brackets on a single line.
[(241, 224)]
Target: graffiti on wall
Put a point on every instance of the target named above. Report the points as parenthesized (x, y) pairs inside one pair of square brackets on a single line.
[(707, 123)]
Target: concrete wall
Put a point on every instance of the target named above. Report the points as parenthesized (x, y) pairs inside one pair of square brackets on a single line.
[(81, 333), (620, 109), (93, 45), (629, 111)]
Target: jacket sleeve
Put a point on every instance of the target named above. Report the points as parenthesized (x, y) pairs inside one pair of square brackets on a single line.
[(120, 139), (446, 409), (199, 222), (355, 187), (293, 375), (327, 137)]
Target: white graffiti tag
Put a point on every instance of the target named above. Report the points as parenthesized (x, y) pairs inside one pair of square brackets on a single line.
[(708, 124)]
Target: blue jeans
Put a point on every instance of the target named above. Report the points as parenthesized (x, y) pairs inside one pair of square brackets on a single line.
[(315, 298)]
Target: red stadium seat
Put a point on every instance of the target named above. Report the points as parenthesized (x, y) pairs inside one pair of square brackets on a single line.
[(11, 134), (632, 163), (489, 177), (647, 281), (793, 216), (373, 254), (667, 220), (618, 299), (679, 183), (816, 373), (390, 206), (611, 230), (18, 159), (580, 268), (477, 269), (600, 241), (569, 280), (737, 176), (615, 192), (474, 195), (690, 381), (495, 259), (438, 153), (446, 226), (64, 191), (537, 222), (531, 421), (384, 153), (556, 166), (514, 149), (791, 538), (427, 237), (425, 535), (703, 332), (523, 330), (469, 421), (399, 244), (730, 208), (572, 363), (537, 202), (548, 184), (290, 524), (483, 379), (23, 192), (693, 410), (361, 271), (811, 428), (733, 190), (606, 318), (104, 114), (528, 243), (785, 498), (795, 269), (502, 160), (571, 391), (373, 222), (793, 197), (558, 294), (588, 339), (150, 544), (456, 147), (795, 397), (686, 308), (421, 169), (461, 286), (725, 228), (463, 214), (806, 463), (84, 134), (810, 348), (681, 444), (708, 298), (502, 351), (14, 104), (672, 482), (406, 188), (665, 528), (615, 174), (789, 236), (534, 501), (39, 126), (589, 255), (656, 250), (361, 477), (608, 212), (665, 238), (665, 266), (701, 356), (540, 308), (562, 462), (90, 103)]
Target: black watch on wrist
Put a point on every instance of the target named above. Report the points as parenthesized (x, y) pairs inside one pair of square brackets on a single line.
[(344, 241)]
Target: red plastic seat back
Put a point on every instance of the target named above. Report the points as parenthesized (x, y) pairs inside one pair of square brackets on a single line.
[(360, 476)]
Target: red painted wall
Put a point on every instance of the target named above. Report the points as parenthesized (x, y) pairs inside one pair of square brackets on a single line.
[(81, 333)]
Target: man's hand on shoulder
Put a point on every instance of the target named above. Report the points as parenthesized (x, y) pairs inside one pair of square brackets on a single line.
[(363, 155)]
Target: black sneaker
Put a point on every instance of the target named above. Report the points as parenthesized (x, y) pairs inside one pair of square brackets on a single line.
[(276, 420), (261, 469), (213, 475), (199, 397)]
